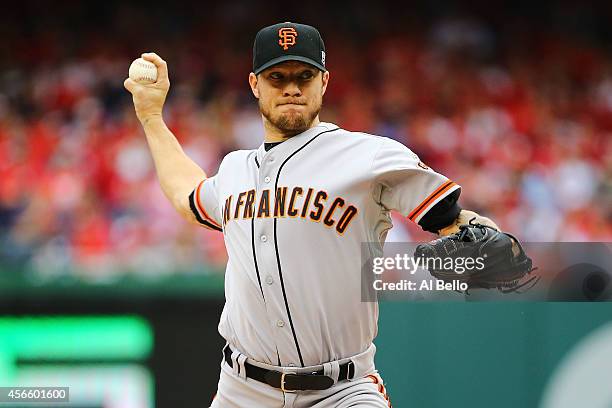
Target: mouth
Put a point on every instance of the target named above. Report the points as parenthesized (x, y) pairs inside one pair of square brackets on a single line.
[(292, 104)]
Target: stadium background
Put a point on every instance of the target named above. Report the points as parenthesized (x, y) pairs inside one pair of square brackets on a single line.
[(513, 102)]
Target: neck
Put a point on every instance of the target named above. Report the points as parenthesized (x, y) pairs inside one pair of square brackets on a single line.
[(272, 134)]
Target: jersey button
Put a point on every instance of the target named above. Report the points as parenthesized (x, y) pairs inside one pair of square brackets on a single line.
[(269, 280), (280, 323), (267, 179), (271, 160), (263, 238)]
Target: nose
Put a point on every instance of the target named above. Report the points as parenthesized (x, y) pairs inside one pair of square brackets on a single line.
[(291, 89)]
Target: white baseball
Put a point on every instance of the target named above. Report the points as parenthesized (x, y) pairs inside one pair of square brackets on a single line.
[(143, 71)]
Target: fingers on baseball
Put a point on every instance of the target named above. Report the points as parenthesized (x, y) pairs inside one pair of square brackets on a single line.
[(134, 87), (129, 84), (162, 67)]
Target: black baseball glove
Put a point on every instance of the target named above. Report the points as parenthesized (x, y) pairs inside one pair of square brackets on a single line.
[(494, 262)]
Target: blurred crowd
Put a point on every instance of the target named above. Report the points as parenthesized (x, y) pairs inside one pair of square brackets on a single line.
[(523, 124)]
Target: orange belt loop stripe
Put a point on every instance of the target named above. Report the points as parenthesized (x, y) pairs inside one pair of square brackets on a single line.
[(201, 207), (432, 197)]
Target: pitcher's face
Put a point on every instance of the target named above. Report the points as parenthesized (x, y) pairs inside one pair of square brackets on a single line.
[(290, 95)]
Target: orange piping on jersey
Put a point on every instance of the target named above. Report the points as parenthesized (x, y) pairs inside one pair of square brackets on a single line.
[(381, 388), (432, 197), (201, 207)]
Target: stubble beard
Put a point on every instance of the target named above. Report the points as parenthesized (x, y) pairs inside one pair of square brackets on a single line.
[(290, 124)]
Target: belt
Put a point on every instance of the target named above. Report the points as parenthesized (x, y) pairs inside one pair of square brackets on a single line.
[(289, 382)]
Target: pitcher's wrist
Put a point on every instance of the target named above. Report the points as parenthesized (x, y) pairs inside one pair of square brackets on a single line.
[(151, 119)]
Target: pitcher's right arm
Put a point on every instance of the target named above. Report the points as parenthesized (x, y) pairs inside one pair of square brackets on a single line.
[(177, 173)]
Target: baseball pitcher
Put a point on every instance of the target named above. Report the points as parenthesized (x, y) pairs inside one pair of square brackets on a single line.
[(294, 213)]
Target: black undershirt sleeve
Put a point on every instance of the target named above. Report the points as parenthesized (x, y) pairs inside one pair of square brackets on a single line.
[(443, 214)]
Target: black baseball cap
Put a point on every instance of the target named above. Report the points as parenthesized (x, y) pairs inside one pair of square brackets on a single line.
[(288, 42)]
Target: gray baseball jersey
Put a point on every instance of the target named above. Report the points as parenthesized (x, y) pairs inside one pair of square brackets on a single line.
[(293, 219)]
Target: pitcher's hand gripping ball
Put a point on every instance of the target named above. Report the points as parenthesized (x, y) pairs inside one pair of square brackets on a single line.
[(495, 264), (143, 71)]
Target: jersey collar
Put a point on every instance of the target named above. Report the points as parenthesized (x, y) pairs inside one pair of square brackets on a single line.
[(281, 152)]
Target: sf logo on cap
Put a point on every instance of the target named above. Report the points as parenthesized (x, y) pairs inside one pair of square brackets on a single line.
[(287, 37)]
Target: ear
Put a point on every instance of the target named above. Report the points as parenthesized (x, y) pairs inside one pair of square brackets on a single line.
[(253, 84), (325, 78)]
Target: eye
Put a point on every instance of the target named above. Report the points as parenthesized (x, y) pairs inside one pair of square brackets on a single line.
[(307, 75), (276, 75)]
